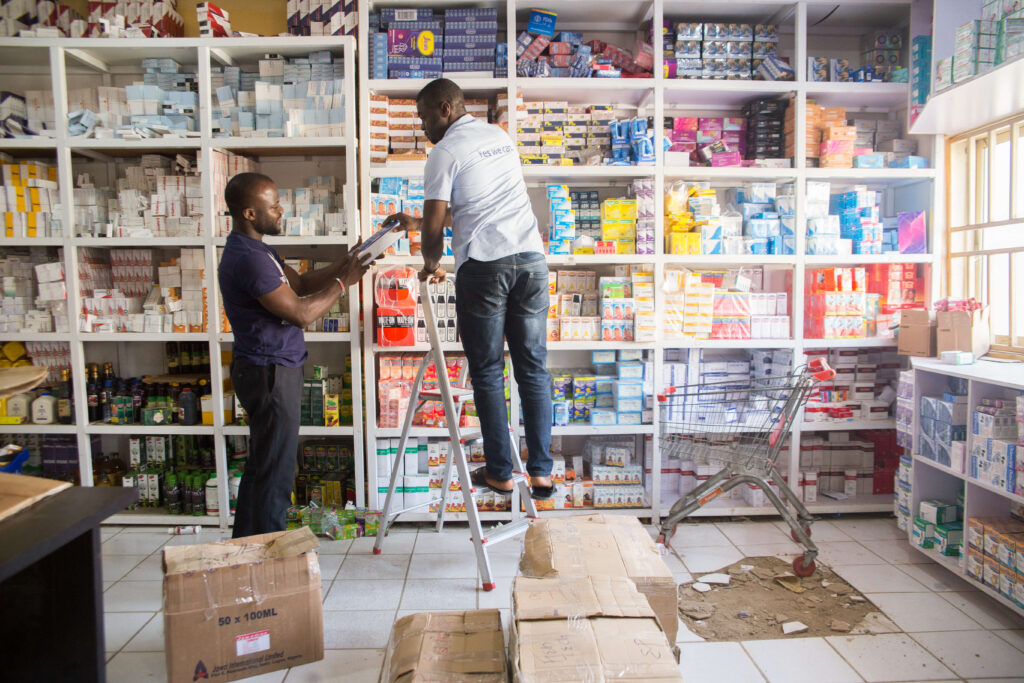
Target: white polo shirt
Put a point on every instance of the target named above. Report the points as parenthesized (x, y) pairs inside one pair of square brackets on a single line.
[(476, 169)]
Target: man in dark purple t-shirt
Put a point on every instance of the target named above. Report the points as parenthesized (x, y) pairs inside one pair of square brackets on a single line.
[(268, 305)]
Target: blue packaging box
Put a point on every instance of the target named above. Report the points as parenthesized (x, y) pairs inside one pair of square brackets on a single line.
[(542, 22)]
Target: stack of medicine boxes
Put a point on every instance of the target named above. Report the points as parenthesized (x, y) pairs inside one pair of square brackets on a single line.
[(993, 456), (975, 50), (943, 421)]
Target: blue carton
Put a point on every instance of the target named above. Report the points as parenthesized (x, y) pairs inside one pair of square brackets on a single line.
[(542, 22)]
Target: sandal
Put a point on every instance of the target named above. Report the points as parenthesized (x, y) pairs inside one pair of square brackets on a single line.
[(542, 492), (478, 478)]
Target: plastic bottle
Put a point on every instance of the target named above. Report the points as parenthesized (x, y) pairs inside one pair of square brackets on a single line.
[(44, 409), (234, 482), (187, 408), (19, 405), (183, 530), (212, 498)]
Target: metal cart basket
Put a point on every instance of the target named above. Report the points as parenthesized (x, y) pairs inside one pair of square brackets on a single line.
[(741, 429)]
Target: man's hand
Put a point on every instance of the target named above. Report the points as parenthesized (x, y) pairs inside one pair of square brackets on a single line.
[(354, 266), (432, 276), (405, 222)]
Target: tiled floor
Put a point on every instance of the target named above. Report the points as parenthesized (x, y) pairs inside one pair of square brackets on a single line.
[(937, 627)]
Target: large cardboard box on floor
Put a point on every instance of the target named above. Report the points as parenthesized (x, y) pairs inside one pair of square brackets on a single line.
[(242, 607), (916, 336), (441, 647), (963, 331), (602, 545), (598, 628)]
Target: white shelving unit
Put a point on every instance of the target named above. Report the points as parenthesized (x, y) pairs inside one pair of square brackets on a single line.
[(804, 30), (986, 379), (71, 63)]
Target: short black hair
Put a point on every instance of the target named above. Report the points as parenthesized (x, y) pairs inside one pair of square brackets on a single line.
[(238, 193), (442, 90)]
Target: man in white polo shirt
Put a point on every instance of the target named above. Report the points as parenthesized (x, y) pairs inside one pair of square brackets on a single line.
[(473, 180)]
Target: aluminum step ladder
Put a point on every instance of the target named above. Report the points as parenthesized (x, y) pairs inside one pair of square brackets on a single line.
[(453, 398)]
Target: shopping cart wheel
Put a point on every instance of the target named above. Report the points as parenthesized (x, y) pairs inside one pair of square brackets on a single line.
[(807, 530), (800, 570)]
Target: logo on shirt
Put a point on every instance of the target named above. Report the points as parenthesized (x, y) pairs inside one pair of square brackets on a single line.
[(494, 151)]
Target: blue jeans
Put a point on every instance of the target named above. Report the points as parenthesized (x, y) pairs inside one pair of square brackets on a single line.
[(508, 299)]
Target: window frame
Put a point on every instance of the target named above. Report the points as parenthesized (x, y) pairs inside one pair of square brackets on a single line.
[(972, 155)]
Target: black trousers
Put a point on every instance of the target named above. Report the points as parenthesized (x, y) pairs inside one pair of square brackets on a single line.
[(272, 396)]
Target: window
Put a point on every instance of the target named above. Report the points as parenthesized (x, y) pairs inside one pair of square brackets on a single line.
[(986, 233)]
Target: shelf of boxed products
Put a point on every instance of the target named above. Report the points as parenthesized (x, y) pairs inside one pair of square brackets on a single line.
[(691, 343), (673, 172), (592, 430), (404, 169), (228, 337), (955, 564), (295, 240), (38, 142), (142, 336), (585, 172), (292, 145), (856, 343), (721, 260), (870, 174), (133, 147), (974, 102), (847, 426), (824, 506), (865, 259), (37, 429), (946, 470), (412, 86), (862, 96), (100, 428), (41, 336), (304, 430), (32, 242), (118, 242)]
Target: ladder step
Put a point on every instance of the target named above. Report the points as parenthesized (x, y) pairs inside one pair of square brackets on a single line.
[(470, 436), (457, 394), (507, 531)]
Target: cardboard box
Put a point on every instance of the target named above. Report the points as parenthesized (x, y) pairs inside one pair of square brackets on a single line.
[(446, 646), (916, 334), (963, 331), (602, 546), (597, 628), (242, 607)]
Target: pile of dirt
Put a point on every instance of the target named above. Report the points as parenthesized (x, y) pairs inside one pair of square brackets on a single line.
[(762, 595)]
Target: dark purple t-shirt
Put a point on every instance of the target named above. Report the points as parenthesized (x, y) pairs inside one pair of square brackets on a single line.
[(248, 270)]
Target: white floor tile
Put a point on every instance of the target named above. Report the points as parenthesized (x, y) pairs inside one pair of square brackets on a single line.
[(150, 569), (207, 535), (340, 665), (685, 635), (714, 662), (394, 544), (329, 565), (134, 543), (821, 531), (702, 560), (357, 630), (878, 578), (985, 610), (329, 547), (869, 528), (454, 540), (150, 638), (499, 598), (116, 566), (898, 552), (364, 594), (504, 565), (137, 667), (1013, 637), (842, 552), (440, 594), (107, 584), (974, 654), (782, 549), (936, 578), (373, 567), (120, 627), (443, 566), (890, 657), (798, 660), (679, 571), (915, 612), (134, 596), (109, 532), (697, 535), (752, 533)]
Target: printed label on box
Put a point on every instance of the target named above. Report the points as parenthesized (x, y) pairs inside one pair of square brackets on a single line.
[(249, 643)]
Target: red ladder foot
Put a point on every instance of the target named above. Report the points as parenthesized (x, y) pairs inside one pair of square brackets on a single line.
[(376, 551), (489, 586)]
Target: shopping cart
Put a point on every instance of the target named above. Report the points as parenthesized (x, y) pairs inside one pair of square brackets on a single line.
[(742, 429)]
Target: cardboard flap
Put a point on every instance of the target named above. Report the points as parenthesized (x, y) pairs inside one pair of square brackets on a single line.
[(594, 596), (193, 558), (914, 316), (445, 646), (19, 491)]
